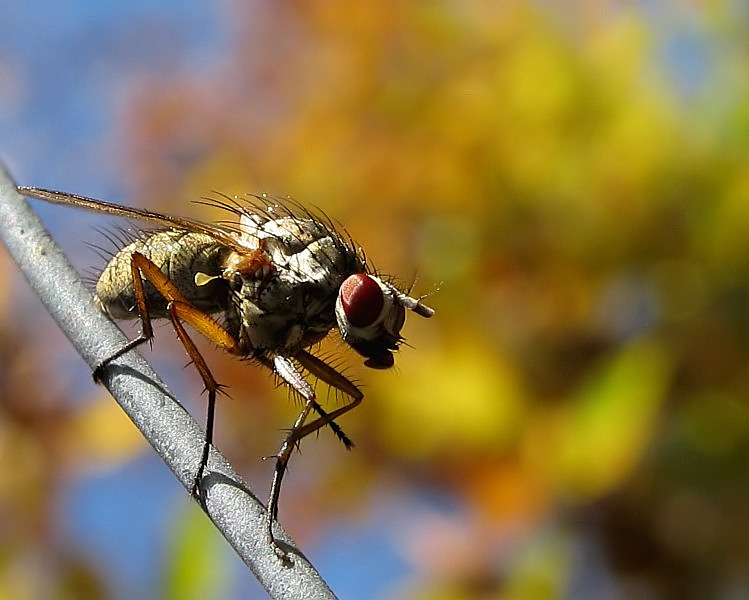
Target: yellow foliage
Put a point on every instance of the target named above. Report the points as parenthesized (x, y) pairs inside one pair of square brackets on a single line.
[(602, 433), (103, 435), (457, 398)]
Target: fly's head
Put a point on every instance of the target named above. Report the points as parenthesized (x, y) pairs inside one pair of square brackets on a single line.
[(370, 315)]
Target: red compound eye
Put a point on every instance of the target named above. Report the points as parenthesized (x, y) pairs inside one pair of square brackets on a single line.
[(362, 299)]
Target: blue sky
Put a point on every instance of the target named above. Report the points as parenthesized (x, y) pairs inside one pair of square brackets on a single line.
[(65, 65)]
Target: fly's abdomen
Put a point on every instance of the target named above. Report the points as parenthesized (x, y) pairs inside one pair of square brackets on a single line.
[(180, 255)]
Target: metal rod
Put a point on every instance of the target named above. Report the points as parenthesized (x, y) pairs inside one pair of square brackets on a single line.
[(171, 430)]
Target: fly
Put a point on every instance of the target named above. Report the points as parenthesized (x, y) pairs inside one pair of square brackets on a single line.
[(267, 286)]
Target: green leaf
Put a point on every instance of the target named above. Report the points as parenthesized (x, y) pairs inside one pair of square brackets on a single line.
[(196, 563)]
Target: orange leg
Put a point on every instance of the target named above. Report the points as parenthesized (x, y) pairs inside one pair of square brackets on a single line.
[(180, 310)]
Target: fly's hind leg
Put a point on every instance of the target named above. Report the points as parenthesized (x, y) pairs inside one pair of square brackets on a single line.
[(290, 374), (140, 267), (180, 309), (137, 263)]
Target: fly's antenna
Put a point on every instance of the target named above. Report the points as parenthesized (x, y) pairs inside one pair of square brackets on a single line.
[(414, 304)]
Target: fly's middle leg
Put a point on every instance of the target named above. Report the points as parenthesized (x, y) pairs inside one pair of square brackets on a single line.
[(209, 328)]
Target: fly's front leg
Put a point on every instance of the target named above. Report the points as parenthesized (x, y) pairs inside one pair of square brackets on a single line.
[(290, 374), (295, 380)]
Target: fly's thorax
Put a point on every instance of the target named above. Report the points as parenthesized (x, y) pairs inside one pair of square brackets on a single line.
[(286, 310), (292, 305), (307, 247), (281, 237), (180, 255)]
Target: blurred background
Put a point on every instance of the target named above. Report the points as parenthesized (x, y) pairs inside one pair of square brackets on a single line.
[(568, 181)]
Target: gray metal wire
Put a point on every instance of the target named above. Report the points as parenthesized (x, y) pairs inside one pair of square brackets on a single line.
[(171, 430)]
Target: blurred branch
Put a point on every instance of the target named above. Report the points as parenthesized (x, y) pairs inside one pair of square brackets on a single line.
[(171, 431)]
